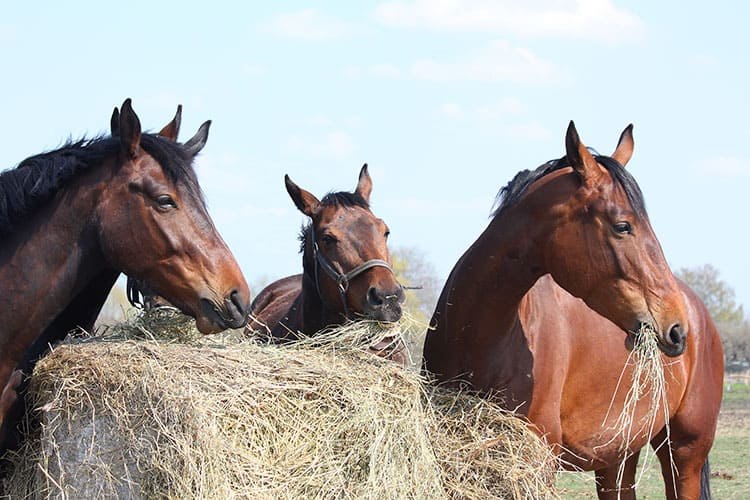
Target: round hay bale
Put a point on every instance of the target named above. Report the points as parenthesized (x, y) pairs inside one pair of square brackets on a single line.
[(214, 417)]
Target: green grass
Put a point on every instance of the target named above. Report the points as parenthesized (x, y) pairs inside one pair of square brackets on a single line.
[(729, 457)]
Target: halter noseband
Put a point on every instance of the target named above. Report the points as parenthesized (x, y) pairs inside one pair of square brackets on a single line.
[(342, 279)]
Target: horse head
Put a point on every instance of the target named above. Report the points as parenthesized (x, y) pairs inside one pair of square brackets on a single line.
[(154, 225), (346, 252), (592, 234)]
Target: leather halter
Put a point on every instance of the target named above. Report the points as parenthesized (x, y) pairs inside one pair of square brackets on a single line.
[(340, 278)]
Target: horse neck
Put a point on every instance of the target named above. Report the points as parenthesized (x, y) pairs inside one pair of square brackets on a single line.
[(48, 262), (507, 259), (316, 314), (497, 270)]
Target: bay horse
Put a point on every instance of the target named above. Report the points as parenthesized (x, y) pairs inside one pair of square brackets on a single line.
[(73, 219), (347, 273), (541, 310)]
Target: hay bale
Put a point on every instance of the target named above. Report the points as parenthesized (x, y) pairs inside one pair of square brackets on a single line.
[(206, 419)]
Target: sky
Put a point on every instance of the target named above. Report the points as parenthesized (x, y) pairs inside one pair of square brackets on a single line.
[(444, 99)]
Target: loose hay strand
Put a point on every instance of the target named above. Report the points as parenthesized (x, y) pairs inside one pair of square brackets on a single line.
[(132, 414)]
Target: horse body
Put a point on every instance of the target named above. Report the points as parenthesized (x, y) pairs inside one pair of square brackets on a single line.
[(74, 218), (346, 272), (508, 324)]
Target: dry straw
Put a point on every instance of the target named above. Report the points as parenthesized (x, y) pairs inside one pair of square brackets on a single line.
[(130, 414), (647, 385)]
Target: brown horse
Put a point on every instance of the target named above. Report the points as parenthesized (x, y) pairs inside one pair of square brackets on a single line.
[(74, 218), (347, 273), (541, 310)]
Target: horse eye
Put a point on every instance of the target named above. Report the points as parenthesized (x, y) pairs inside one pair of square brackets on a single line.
[(166, 202), (328, 239), (622, 228), (387, 234)]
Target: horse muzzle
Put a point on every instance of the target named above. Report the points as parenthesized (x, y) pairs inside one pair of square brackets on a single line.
[(384, 306), (231, 313), (672, 342)]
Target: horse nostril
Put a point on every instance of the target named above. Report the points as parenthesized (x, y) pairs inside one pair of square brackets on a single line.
[(676, 334), (374, 298), (236, 308), (234, 298)]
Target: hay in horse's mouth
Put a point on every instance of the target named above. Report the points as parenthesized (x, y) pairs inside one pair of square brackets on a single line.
[(647, 381), (216, 417)]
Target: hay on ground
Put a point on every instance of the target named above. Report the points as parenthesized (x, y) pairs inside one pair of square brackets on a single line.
[(129, 415)]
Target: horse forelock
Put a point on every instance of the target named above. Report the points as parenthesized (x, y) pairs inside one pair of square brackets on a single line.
[(35, 180), (512, 192)]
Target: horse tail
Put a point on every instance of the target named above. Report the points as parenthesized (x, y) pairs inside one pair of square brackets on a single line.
[(705, 481)]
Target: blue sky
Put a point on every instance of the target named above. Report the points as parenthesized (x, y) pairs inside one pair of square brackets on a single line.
[(446, 101)]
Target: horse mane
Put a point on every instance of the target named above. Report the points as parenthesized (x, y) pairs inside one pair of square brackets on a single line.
[(334, 199), (35, 180), (512, 193)]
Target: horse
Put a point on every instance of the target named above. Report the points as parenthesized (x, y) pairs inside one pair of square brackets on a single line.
[(541, 311), (73, 219), (347, 272)]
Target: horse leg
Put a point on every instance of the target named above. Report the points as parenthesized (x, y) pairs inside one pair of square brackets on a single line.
[(607, 487), (682, 469)]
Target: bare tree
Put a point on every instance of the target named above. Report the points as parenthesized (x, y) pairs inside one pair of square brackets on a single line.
[(729, 316), (416, 273)]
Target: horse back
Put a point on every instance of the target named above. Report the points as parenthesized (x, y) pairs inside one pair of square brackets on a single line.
[(274, 303)]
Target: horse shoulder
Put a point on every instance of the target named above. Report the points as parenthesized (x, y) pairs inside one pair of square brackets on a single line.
[(544, 318)]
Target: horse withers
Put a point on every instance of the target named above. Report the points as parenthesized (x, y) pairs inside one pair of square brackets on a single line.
[(347, 273), (73, 219), (541, 310)]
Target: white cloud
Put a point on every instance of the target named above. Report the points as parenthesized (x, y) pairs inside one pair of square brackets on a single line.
[(576, 19), (494, 110), (309, 24), (452, 110), (725, 166), (500, 61), (336, 144), (530, 131), (385, 71), (503, 107)]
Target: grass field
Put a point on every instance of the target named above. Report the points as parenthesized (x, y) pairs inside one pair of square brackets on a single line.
[(729, 457)]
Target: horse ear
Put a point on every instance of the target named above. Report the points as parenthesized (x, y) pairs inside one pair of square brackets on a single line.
[(196, 143), (172, 129), (579, 156), (114, 122), (624, 149), (305, 201), (129, 130), (364, 186)]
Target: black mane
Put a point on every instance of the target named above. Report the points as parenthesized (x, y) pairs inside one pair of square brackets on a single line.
[(515, 189), (36, 179), (333, 199)]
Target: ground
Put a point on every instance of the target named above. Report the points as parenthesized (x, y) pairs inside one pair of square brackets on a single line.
[(729, 457)]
